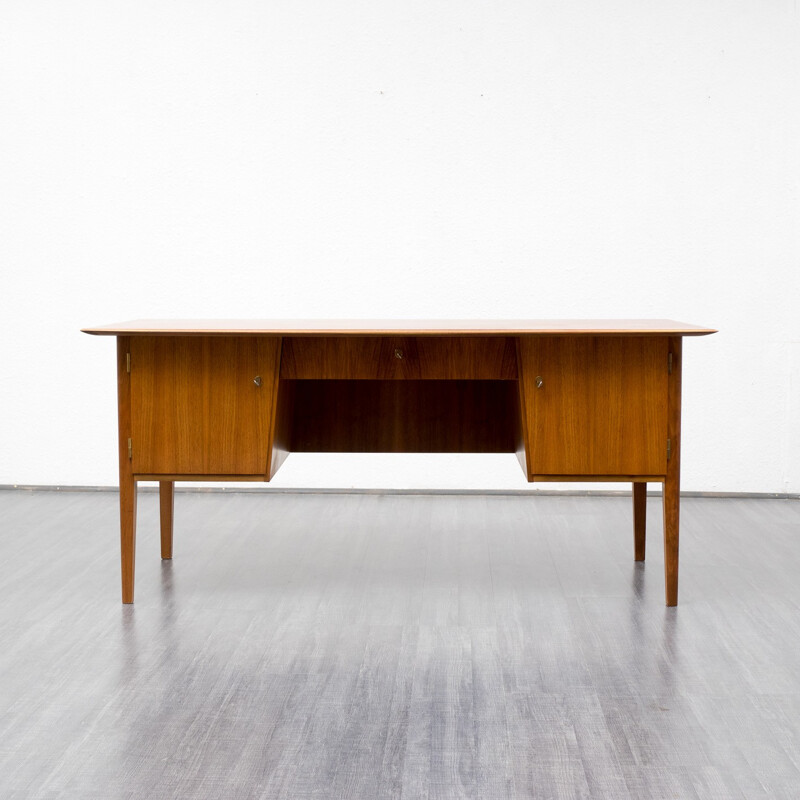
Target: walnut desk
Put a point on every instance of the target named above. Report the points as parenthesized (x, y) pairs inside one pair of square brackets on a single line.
[(595, 400)]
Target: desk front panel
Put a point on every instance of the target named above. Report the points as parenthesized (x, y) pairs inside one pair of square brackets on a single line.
[(568, 405)]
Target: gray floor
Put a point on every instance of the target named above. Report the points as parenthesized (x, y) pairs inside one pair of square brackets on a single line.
[(377, 646)]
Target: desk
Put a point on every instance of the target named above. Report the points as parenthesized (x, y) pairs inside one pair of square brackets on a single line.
[(596, 400)]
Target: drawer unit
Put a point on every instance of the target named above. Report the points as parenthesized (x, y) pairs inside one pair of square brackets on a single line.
[(399, 358)]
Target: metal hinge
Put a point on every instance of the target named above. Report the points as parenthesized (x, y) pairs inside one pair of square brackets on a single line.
[(669, 363), (128, 362), (130, 449), (669, 448)]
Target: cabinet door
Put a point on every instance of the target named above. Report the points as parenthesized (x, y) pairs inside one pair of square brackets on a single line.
[(600, 408), (196, 407)]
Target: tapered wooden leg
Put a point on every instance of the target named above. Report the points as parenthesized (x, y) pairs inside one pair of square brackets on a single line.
[(127, 515), (127, 482), (671, 537), (167, 500), (639, 520), (672, 480)]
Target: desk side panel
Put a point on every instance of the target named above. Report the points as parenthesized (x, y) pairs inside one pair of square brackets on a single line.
[(284, 400)]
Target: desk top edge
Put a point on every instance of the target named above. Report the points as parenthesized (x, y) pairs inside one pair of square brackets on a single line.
[(397, 327)]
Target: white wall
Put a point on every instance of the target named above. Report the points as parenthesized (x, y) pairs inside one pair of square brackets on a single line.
[(403, 159)]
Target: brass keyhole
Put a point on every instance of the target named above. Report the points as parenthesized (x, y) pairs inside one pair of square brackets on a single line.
[(257, 380), (398, 353), (539, 381)]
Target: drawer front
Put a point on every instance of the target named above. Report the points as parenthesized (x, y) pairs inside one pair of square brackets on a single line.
[(399, 358)]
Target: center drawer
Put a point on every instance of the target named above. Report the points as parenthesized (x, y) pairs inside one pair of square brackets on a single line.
[(399, 358)]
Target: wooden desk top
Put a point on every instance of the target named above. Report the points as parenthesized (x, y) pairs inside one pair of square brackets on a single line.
[(399, 327)]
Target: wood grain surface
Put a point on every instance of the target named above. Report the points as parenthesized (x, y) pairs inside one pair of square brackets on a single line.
[(196, 408), (392, 327), (399, 358), (166, 493), (672, 483), (639, 497), (391, 416), (601, 408), (127, 481)]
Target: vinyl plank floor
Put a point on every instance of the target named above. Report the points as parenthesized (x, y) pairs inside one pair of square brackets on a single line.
[(398, 646)]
